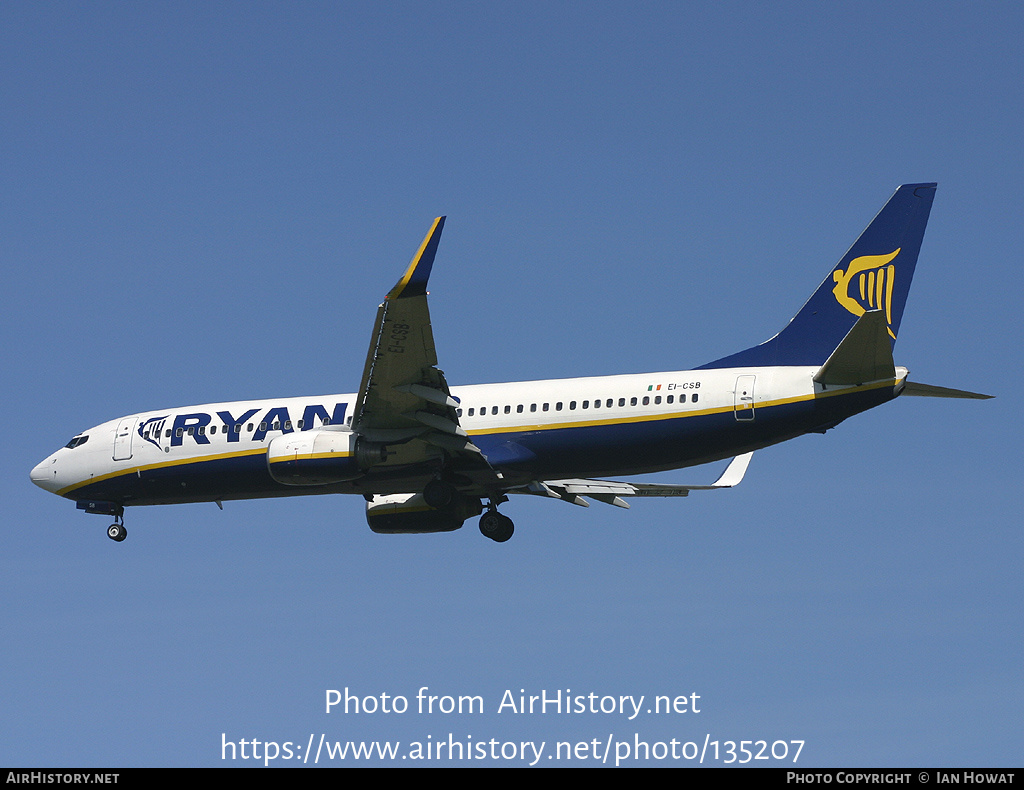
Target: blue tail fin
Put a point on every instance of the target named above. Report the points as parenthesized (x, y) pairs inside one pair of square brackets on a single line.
[(874, 274)]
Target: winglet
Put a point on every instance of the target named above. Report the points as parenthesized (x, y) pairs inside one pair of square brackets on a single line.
[(734, 472), (731, 477), (414, 281)]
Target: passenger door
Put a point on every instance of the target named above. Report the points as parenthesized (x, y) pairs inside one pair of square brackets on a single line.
[(123, 438), (743, 399)]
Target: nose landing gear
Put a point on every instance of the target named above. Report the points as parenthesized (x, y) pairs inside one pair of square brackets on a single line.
[(116, 531)]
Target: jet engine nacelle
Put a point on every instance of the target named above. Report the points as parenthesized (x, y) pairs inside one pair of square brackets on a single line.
[(321, 457), (408, 513)]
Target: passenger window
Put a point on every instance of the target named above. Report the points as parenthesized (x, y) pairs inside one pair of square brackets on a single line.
[(533, 407), (178, 432), (558, 406), (657, 398), (508, 410), (670, 399), (572, 405), (494, 409), (287, 425), (693, 397), (471, 412), (544, 407), (632, 401), (519, 409), (647, 400), (586, 404)]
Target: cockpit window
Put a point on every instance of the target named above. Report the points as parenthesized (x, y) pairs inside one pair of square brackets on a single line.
[(77, 441)]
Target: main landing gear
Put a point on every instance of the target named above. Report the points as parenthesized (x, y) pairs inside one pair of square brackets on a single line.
[(116, 531), (440, 494), (495, 526)]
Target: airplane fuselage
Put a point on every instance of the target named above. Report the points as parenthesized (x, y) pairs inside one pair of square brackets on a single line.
[(581, 427)]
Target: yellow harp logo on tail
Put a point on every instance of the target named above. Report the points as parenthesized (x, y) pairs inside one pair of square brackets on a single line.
[(872, 278)]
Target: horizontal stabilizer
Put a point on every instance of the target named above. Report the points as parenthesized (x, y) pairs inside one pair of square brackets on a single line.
[(865, 354), (931, 391)]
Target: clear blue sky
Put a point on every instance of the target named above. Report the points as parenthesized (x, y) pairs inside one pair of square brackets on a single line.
[(207, 203)]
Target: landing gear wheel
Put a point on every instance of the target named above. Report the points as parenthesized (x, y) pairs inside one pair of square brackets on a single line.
[(439, 494), (117, 532), (495, 526)]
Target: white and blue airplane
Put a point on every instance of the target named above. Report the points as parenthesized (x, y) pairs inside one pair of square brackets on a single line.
[(426, 456)]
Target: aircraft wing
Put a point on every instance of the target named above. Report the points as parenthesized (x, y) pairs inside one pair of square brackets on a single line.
[(610, 491), (404, 400)]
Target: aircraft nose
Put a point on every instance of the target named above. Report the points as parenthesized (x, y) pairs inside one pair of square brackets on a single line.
[(44, 474)]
